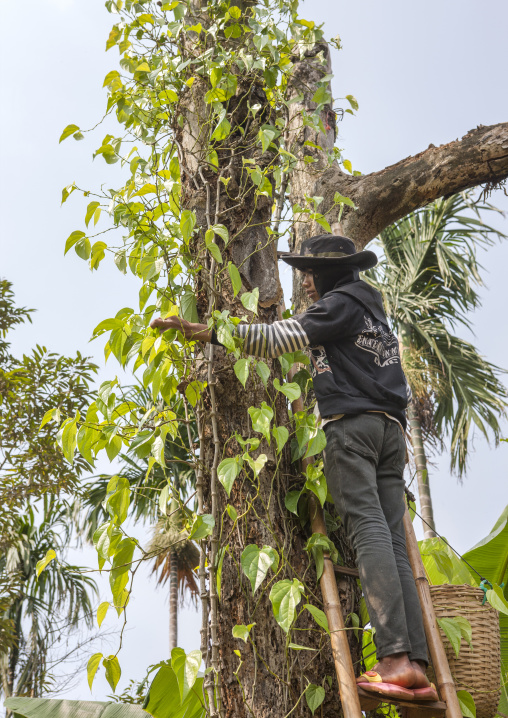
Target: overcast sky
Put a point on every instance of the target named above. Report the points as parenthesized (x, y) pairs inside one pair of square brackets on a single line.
[(422, 73)]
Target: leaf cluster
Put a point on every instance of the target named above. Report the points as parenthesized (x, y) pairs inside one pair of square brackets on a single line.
[(30, 464)]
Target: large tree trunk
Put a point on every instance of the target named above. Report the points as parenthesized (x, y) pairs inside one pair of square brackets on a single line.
[(271, 678), (263, 684)]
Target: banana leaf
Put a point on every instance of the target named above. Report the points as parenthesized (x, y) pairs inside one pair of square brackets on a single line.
[(163, 699), (490, 558), (490, 555), (442, 565), (54, 708)]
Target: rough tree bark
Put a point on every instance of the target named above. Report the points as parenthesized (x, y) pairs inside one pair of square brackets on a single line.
[(381, 197)]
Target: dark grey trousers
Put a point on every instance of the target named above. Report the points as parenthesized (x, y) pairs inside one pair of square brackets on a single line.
[(364, 462)]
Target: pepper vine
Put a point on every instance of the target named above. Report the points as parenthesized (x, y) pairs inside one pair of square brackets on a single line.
[(208, 146)]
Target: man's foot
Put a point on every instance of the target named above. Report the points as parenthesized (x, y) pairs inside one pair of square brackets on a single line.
[(422, 688), (395, 669), (421, 680)]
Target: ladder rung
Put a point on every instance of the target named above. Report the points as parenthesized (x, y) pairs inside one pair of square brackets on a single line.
[(344, 570), (415, 709)]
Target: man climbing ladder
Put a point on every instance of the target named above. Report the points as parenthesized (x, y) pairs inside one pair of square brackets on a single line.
[(361, 394)]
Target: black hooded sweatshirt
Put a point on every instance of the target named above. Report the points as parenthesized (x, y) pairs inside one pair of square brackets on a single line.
[(355, 360), (355, 357)]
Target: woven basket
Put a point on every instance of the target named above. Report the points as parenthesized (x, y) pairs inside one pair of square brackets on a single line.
[(479, 670)]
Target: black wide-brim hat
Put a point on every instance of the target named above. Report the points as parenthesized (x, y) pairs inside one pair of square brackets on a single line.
[(325, 250)]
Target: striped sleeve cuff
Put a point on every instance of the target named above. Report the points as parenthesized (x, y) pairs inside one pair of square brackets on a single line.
[(272, 340)]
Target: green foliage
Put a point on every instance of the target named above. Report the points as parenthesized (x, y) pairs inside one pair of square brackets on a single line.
[(10, 314), (314, 695), (455, 629), (92, 667), (146, 477), (319, 616), (242, 631), (490, 555), (255, 563), (442, 565), (186, 668), (316, 481), (35, 392), (202, 526), (10, 587), (227, 472), (164, 697), (318, 545), (241, 370), (490, 558), (41, 565), (261, 418), (285, 597), (467, 705)]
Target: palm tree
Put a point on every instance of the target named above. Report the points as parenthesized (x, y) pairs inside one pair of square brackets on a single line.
[(428, 278), (175, 559), (40, 605)]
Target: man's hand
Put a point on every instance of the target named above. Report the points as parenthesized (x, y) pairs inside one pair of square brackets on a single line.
[(170, 323), (192, 332)]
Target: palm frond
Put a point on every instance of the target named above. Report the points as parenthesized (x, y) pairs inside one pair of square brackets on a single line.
[(429, 277), (169, 543), (61, 596)]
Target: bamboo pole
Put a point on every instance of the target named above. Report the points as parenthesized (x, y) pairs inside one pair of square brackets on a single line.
[(445, 683), (338, 636)]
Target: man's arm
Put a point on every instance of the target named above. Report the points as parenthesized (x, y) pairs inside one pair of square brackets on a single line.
[(261, 340), (192, 331)]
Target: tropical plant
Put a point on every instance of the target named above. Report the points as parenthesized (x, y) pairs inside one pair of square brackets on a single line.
[(176, 560), (10, 587), (151, 484), (52, 596), (428, 277)]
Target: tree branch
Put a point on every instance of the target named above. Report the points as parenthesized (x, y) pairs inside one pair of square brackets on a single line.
[(385, 196)]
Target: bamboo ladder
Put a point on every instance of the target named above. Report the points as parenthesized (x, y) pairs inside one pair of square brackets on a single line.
[(354, 699)]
